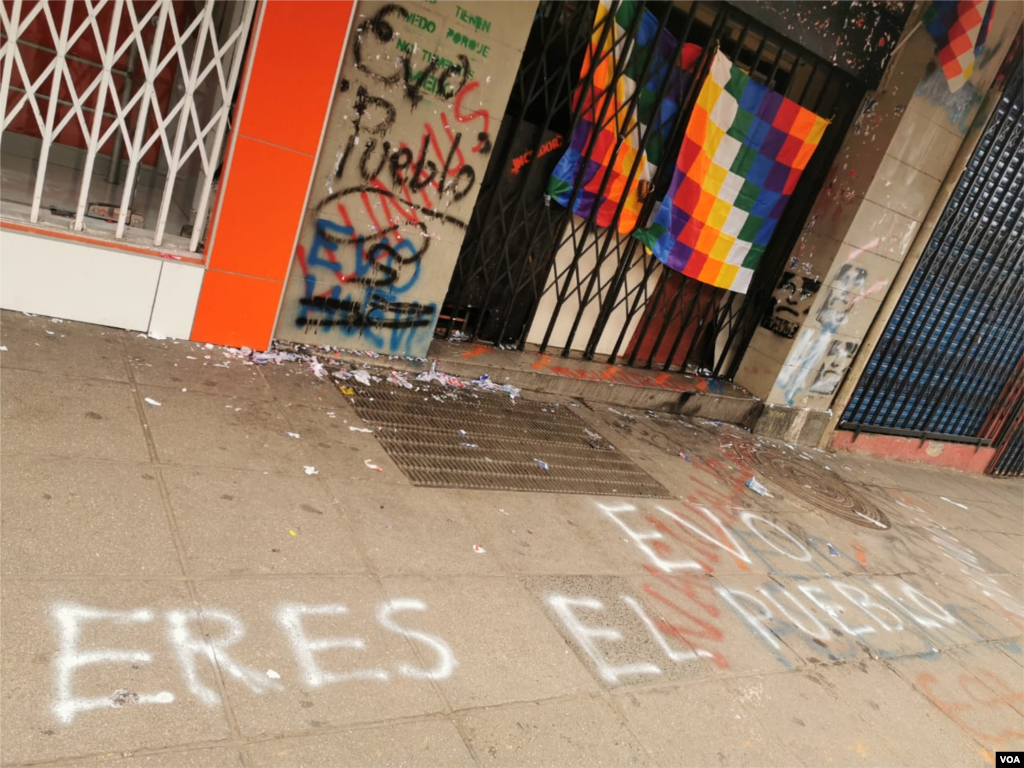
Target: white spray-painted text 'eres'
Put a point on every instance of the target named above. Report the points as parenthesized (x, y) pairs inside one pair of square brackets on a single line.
[(211, 635)]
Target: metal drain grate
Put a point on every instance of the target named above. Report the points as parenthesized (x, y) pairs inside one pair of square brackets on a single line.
[(482, 441)]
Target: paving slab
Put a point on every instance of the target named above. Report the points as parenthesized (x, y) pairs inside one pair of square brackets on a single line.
[(192, 366), (618, 635), (507, 651), (402, 532), (890, 709), (197, 429), (967, 701), (191, 758), (810, 717), (79, 517), (698, 724), (555, 533), (292, 524), (399, 745), (76, 418), (62, 349), (333, 662), (581, 731), (105, 700)]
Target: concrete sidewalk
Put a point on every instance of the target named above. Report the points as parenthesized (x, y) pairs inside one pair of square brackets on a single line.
[(177, 591)]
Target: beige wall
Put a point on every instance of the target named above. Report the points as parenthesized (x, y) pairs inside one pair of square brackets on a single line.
[(377, 247), (866, 218)]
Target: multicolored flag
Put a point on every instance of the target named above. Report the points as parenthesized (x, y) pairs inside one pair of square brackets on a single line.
[(744, 150), (604, 110), (959, 28)]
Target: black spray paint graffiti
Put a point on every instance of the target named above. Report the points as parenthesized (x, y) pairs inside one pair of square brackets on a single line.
[(790, 304), (401, 193), (450, 80)]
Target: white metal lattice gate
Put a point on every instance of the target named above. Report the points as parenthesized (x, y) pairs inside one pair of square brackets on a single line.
[(200, 45)]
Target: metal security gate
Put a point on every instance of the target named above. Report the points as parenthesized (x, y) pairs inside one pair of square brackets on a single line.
[(119, 109), (535, 275), (954, 343)]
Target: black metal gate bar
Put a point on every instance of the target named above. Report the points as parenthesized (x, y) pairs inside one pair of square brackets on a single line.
[(661, 181), (612, 235), (624, 262), (495, 295), (589, 227), (580, 27), (940, 376)]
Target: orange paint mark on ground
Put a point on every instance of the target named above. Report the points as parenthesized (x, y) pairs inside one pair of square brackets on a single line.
[(860, 554), (478, 349), (542, 363)]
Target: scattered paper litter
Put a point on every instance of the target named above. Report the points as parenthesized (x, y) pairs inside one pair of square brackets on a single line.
[(478, 549), (360, 429), (317, 368), (273, 675), (50, 333), (369, 463), (295, 435), (482, 382), (954, 503), (151, 401), (399, 378), (3, 349), (363, 377), (757, 488), (310, 470), (156, 335)]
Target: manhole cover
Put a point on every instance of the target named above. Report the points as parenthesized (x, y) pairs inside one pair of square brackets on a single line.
[(820, 489), (481, 441)]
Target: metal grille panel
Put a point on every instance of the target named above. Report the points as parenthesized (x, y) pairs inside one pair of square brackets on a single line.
[(953, 341), (535, 274), (112, 110), (488, 442)]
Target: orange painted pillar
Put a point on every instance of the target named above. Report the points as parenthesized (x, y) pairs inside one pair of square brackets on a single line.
[(296, 56)]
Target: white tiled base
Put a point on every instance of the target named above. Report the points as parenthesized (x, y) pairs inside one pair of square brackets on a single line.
[(176, 297), (63, 278)]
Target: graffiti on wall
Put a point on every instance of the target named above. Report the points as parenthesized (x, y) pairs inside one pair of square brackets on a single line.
[(409, 140), (819, 359), (790, 304)]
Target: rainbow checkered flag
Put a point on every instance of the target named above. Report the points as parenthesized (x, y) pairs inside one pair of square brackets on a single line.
[(607, 102), (959, 28), (744, 150)]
